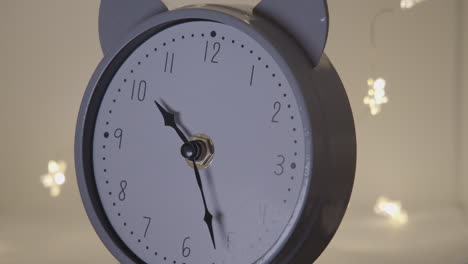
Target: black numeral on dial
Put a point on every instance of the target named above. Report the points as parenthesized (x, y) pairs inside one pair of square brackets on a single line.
[(169, 64), (147, 224), (277, 108), (216, 50), (280, 170), (139, 92), (252, 75), (185, 248), (122, 194), (118, 134)]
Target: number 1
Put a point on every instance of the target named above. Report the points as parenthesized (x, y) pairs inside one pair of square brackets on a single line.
[(252, 75)]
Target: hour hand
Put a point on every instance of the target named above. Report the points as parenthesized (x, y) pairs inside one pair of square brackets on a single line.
[(169, 120)]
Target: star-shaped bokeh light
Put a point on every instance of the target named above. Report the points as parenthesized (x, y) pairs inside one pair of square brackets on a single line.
[(376, 95), (55, 178)]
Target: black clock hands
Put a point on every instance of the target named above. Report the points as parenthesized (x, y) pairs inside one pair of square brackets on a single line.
[(169, 120), (190, 150), (208, 216)]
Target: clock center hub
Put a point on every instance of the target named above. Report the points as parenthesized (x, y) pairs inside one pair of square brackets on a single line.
[(200, 149)]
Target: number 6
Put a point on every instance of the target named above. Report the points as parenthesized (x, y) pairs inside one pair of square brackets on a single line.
[(185, 249)]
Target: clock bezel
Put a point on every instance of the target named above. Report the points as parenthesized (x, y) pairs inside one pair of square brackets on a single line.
[(294, 65)]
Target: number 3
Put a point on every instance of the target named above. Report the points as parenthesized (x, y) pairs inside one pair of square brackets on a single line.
[(280, 165)]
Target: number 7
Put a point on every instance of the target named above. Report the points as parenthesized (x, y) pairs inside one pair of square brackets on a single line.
[(147, 226)]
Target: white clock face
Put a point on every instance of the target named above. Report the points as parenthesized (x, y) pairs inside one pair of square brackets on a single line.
[(223, 84)]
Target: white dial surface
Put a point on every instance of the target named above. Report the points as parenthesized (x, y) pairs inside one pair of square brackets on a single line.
[(222, 83)]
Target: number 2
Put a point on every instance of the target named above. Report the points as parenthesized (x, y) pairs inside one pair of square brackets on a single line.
[(277, 107)]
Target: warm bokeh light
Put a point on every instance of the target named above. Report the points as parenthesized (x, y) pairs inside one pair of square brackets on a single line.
[(55, 177), (408, 4), (59, 178), (376, 95), (393, 210)]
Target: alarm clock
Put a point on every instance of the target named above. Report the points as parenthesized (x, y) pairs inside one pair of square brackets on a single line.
[(212, 135)]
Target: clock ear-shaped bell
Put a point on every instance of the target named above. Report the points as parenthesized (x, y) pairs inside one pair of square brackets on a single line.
[(118, 17), (306, 20)]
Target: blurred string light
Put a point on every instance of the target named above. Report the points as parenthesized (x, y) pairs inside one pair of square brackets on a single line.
[(392, 210), (55, 178), (408, 4), (376, 95)]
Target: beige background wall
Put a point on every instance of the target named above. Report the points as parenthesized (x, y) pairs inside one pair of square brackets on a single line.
[(464, 106), (49, 49)]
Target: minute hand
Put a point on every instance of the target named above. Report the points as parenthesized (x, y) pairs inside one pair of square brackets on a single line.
[(208, 216)]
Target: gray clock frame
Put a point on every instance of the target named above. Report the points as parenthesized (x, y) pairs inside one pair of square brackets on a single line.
[(325, 110)]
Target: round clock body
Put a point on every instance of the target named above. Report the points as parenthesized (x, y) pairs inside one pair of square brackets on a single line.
[(279, 173)]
